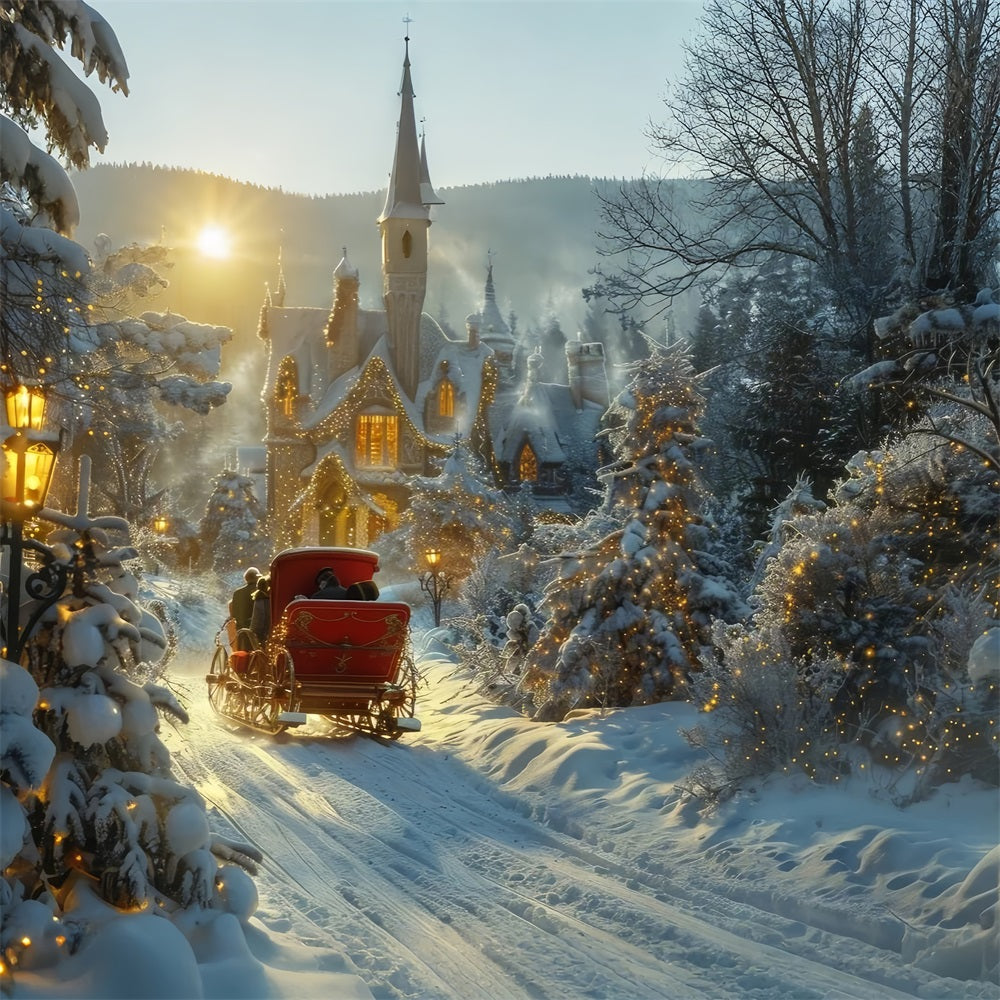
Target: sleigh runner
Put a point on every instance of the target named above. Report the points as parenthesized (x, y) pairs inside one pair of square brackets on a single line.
[(346, 660)]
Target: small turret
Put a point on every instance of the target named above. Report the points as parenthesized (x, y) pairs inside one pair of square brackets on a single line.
[(342, 326)]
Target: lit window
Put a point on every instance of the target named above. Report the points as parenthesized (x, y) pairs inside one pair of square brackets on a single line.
[(286, 390), (527, 465), (377, 442), (446, 399)]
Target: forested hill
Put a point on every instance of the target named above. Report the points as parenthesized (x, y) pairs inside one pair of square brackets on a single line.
[(541, 233)]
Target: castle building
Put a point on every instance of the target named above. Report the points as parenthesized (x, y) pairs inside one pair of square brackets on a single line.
[(358, 401)]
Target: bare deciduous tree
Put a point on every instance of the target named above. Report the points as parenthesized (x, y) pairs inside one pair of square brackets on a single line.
[(858, 135)]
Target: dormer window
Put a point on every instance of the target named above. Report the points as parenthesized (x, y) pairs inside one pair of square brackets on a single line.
[(407, 244), (377, 440), (527, 465), (446, 399), (286, 390)]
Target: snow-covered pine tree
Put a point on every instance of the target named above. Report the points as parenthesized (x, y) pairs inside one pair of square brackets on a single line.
[(461, 512), (626, 616), (42, 271), (65, 320), (91, 809), (232, 533), (142, 367)]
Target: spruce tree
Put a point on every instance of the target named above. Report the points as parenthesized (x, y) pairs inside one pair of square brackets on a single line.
[(232, 535), (627, 615)]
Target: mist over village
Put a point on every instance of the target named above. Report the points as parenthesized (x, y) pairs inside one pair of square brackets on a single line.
[(555, 586)]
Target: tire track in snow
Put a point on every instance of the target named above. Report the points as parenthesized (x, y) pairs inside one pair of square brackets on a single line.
[(437, 884), (507, 931)]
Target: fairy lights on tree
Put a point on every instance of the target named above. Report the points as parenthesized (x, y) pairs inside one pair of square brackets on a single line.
[(90, 805), (461, 513), (232, 535), (898, 579), (627, 615)]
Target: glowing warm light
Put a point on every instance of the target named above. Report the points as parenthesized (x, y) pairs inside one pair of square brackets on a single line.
[(213, 241)]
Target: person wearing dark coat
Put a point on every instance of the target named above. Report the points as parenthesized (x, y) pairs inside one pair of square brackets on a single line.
[(328, 586), (260, 618), (241, 605)]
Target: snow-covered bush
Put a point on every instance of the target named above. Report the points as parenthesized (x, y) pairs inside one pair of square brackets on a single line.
[(894, 579), (480, 636), (766, 711), (90, 804)]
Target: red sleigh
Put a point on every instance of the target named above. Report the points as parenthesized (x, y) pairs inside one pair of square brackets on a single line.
[(347, 660)]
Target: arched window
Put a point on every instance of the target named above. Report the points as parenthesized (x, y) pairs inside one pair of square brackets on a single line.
[(286, 390), (527, 465), (377, 440), (446, 399), (407, 244)]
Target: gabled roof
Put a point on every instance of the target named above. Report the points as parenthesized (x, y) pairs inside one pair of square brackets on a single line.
[(545, 415)]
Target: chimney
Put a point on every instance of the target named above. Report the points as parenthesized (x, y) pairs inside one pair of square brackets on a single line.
[(588, 379)]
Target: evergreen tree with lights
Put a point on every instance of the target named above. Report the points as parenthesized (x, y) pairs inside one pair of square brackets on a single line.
[(628, 614), (460, 512), (232, 535), (897, 579), (92, 813)]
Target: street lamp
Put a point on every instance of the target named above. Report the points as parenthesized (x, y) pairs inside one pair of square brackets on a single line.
[(434, 582), (30, 455), (160, 524)]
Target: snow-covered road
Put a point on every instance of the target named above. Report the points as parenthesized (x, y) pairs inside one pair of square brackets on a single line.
[(435, 882)]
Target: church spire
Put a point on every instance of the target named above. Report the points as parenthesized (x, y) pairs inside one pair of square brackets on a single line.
[(403, 224), (279, 296), (404, 199)]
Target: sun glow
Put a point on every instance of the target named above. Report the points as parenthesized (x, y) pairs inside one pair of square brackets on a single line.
[(213, 241)]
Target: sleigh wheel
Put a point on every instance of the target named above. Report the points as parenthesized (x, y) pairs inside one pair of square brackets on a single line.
[(260, 708), (398, 704), (217, 680)]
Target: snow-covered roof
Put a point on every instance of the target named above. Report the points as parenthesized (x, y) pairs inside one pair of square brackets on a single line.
[(297, 332), (464, 366), (345, 269), (545, 414)]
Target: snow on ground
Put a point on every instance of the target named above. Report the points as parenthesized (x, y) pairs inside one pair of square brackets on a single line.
[(489, 856)]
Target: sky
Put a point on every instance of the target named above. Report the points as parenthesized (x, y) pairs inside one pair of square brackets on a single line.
[(302, 94)]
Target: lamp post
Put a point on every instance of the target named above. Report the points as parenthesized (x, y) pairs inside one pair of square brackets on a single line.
[(434, 582), (30, 455)]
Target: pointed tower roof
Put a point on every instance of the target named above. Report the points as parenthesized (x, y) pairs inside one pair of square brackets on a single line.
[(410, 191), (427, 193), (279, 295), (493, 329), (345, 269)]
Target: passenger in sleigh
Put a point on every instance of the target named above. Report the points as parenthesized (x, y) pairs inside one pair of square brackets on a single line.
[(328, 587)]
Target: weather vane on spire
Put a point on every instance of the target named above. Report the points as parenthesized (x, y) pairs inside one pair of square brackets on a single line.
[(407, 21)]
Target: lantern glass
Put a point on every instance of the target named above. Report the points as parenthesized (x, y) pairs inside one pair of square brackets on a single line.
[(25, 407), (160, 525), (27, 474), (433, 557)]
